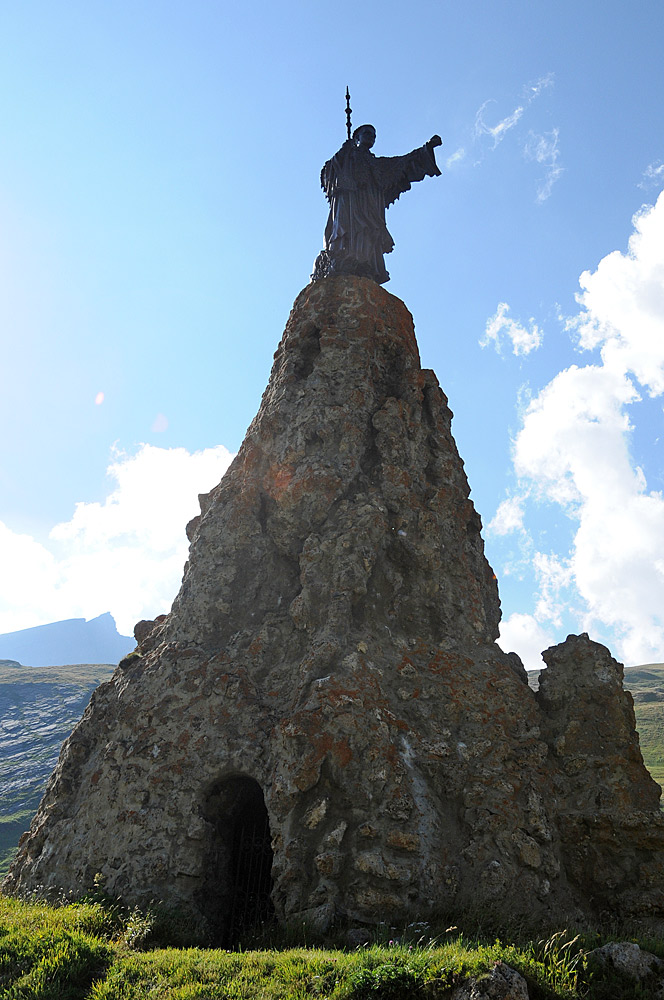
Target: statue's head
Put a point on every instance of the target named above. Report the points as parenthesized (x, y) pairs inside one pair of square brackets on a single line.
[(364, 136)]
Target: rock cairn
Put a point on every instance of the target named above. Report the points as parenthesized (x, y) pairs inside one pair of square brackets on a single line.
[(326, 706)]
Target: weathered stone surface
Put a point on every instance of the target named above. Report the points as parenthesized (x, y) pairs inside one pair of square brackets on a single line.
[(628, 959), (502, 983), (611, 831), (590, 725), (332, 649)]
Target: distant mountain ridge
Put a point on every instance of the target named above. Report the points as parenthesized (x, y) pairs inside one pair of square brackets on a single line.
[(41, 702), (74, 640)]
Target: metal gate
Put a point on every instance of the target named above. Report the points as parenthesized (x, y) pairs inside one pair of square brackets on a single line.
[(251, 873)]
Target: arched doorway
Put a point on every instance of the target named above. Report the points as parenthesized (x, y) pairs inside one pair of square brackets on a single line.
[(237, 894)]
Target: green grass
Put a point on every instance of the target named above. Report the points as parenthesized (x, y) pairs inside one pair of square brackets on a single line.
[(87, 675), (647, 686), (298, 973), (49, 953), (11, 828), (81, 951), (650, 725)]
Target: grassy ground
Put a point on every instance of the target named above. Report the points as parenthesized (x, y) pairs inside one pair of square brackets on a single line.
[(647, 686), (650, 724), (89, 951), (11, 828)]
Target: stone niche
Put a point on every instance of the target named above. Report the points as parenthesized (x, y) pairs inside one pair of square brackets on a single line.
[(324, 727)]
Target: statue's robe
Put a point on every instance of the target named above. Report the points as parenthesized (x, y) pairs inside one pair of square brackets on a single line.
[(359, 187)]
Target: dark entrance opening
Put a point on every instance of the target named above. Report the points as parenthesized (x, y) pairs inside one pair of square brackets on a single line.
[(240, 863)]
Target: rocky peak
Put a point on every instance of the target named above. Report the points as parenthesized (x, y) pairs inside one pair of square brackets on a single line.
[(590, 725), (347, 503)]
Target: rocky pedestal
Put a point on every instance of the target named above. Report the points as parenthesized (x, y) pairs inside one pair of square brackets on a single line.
[(326, 706)]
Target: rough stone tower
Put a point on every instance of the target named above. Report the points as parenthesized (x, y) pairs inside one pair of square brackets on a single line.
[(326, 706)]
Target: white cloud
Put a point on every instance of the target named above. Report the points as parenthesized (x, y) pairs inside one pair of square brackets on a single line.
[(124, 555), (533, 90), (501, 326), (498, 131), (508, 518), (618, 573), (527, 637), (501, 128), (623, 304), (455, 158), (573, 449), (543, 149), (28, 582), (653, 175), (554, 575), (574, 435)]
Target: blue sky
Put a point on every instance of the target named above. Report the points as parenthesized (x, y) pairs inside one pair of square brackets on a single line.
[(160, 209)]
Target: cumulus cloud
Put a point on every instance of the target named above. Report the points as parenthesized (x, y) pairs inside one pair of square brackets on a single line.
[(574, 449), (554, 575), (526, 636), (502, 327), (124, 555), (508, 518), (544, 149), (623, 304), (28, 582)]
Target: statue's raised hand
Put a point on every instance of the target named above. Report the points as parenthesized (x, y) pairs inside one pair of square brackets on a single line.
[(435, 140)]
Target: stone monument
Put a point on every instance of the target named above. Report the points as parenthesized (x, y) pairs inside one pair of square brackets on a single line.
[(324, 727)]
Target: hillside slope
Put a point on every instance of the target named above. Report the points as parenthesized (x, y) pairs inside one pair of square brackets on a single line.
[(39, 706), (647, 686)]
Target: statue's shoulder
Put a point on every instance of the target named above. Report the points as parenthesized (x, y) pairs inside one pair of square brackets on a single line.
[(343, 152)]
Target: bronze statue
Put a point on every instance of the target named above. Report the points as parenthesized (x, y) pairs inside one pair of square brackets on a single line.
[(359, 187)]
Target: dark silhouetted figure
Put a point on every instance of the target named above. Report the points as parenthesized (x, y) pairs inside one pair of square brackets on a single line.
[(359, 187)]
